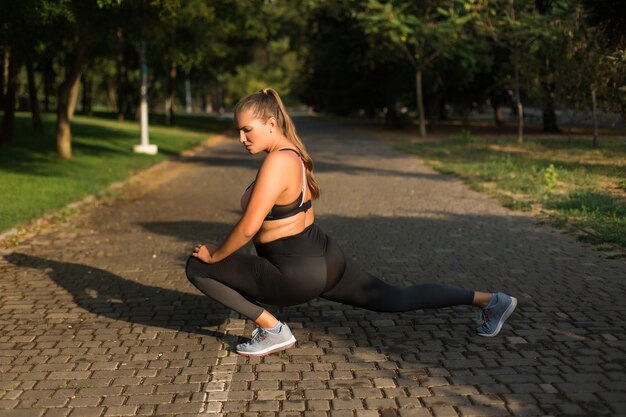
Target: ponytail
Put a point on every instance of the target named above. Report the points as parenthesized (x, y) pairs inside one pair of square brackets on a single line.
[(267, 103)]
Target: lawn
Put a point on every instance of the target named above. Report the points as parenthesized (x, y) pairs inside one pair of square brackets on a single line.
[(33, 181), (564, 181)]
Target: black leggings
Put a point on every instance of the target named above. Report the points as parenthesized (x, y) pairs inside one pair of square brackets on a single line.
[(298, 268)]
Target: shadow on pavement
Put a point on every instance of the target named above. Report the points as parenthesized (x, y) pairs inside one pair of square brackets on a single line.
[(232, 159), (108, 295)]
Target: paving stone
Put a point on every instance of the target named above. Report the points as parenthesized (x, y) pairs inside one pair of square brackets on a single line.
[(264, 406), (271, 395), (57, 412), (415, 412), (21, 413), (291, 405), (94, 332), (178, 408), (380, 403), (318, 405), (126, 410), (87, 412), (346, 404), (443, 411), (482, 411)]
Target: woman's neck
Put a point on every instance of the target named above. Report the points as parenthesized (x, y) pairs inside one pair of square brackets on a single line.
[(280, 143)]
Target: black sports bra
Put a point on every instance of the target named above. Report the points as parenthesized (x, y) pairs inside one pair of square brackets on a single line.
[(282, 211)]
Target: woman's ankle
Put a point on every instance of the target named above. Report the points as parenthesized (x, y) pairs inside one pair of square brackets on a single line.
[(481, 299), (266, 320)]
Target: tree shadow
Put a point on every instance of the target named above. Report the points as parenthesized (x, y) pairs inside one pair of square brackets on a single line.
[(108, 295), (237, 159)]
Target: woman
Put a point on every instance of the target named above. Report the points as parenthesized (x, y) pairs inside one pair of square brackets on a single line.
[(296, 260)]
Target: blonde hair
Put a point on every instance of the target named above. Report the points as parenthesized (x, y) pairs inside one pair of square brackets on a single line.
[(267, 103)]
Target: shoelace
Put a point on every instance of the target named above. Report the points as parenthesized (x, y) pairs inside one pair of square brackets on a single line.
[(486, 315), (258, 335)]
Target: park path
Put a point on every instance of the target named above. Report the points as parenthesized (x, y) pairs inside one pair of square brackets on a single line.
[(97, 318)]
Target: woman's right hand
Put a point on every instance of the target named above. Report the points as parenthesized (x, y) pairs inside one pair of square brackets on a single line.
[(202, 252)]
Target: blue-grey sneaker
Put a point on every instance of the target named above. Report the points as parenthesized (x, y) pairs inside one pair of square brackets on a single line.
[(495, 314), (264, 342)]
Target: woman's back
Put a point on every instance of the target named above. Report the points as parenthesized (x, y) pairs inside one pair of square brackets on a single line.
[(292, 211)]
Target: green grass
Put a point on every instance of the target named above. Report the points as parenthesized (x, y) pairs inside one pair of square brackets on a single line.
[(33, 181), (568, 182)]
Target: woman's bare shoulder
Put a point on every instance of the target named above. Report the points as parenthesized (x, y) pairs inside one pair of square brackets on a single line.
[(279, 159)]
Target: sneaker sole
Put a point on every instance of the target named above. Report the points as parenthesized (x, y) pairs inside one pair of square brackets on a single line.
[(505, 316), (272, 349)]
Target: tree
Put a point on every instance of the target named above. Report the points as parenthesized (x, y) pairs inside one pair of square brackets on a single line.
[(550, 46), (74, 22), (21, 26), (345, 70), (514, 26), (425, 33), (609, 18), (189, 36)]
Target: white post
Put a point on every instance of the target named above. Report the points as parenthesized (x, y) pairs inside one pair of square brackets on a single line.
[(145, 146)]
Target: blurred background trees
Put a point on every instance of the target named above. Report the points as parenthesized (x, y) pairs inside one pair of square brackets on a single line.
[(398, 59)]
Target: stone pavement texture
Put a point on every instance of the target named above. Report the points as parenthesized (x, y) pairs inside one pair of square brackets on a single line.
[(98, 319)]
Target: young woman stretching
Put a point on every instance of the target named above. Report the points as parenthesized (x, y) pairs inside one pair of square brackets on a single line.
[(296, 260)]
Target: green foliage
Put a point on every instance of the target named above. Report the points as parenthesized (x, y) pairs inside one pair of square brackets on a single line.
[(598, 215), (274, 65), (550, 177), (610, 17), (463, 137), (424, 32), (108, 3), (513, 204)]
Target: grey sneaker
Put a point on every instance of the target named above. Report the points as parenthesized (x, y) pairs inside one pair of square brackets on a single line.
[(495, 314), (263, 342)]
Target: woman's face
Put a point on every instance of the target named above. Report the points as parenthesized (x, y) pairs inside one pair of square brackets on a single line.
[(254, 133)]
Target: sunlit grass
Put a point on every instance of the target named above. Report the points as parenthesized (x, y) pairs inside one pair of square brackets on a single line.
[(33, 181), (567, 182)]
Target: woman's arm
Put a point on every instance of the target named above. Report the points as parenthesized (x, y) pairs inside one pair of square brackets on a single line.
[(271, 181)]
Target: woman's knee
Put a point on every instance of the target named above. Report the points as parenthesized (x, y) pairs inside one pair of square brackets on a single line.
[(191, 268)]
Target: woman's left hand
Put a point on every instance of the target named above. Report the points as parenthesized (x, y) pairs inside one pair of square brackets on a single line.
[(202, 252)]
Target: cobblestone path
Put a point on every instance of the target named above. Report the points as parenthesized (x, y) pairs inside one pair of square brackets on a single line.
[(97, 318)]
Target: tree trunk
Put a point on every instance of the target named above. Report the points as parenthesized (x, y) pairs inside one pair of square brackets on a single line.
[(32, 96), (498, 114), (5, 74), (48, 80), (207, 104), (188, 106), (74, 96), (548, 114), (171, 95), (87, 96), (435, 110), (72, 76), (220, 98), (497, 101), (518, 99), (594, 112), (111, 99), (391, 117), (121, 87), (8, 121), (420, 102)]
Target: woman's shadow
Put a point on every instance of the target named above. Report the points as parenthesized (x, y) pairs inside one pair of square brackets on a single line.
[(105, 294)]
